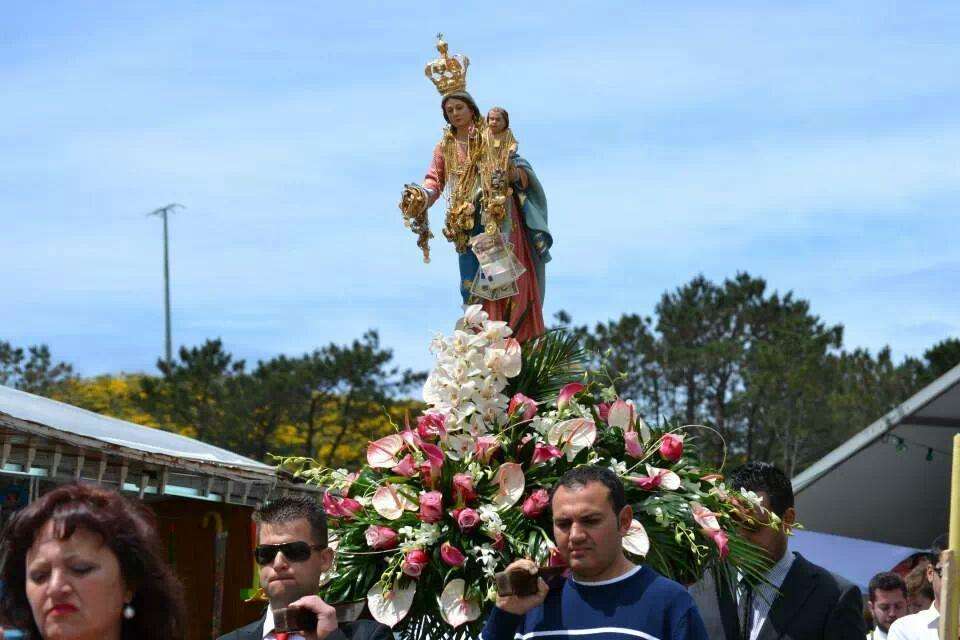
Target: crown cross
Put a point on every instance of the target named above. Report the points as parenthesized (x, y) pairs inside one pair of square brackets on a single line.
[(448, 73)]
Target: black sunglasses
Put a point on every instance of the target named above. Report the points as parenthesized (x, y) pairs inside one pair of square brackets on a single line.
[(292, 551)]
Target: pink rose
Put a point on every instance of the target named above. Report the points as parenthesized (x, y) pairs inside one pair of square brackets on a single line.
[(414, 562), (380, 538), (468, 520), (527, 407), (545, 453), (431, 506), (671, 447), (567, 393), (431, 425), (451, 555), (463, 490), (535, 503)]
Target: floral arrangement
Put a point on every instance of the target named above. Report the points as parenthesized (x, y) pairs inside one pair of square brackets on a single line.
[(448, 501)]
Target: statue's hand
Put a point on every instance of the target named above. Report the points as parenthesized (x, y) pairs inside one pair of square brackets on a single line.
[(413, 200)]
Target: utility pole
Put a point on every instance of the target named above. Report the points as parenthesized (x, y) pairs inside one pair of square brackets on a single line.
[(162, 212)]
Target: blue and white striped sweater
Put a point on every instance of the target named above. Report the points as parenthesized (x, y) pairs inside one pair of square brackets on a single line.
[(640, 604)]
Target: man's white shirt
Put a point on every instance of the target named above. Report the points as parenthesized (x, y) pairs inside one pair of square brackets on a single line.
[(877, 634), (924, 625)]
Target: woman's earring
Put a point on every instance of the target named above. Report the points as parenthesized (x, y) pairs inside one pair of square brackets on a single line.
[(129, 611)]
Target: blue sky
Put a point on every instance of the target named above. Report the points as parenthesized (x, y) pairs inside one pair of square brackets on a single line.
[(814, 144)]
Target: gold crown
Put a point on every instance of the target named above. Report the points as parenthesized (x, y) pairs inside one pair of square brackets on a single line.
[(448, 73)]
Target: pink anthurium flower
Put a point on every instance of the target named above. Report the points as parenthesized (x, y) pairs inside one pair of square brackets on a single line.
[(522, 406), (572, 436), (485, 447), (621, 415), (710, 527), (407, 466), (431, 469), (568, 391), (510, 481), (631, 441), (452, 556), (657, 478), (390, 503), (382, 453), (411, 438), (545, 453)]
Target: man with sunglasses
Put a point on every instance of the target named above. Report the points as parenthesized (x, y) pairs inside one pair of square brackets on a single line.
[(924, 625), (292, 553)]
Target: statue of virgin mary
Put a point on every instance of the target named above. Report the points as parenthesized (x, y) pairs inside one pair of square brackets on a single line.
[(496, 207)]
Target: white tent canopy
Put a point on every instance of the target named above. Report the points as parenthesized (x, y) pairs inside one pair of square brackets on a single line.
[(890, 482), (43, 438)]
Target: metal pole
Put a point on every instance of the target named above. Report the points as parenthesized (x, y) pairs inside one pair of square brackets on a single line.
[(163, 212), (166, 287)]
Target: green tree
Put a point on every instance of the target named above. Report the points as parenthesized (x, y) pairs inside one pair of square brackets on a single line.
[(32, 370)]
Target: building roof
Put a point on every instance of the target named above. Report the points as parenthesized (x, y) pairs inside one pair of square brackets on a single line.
[(890, 482), (49, 439)]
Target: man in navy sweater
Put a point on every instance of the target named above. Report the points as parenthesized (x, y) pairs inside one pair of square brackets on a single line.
[(606, 597)]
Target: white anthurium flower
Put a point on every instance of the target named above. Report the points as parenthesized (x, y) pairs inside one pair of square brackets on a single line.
[(668, 479), (390, 503), (454, 607), (636, 541), (621, 415), (382, 453), (511, 483), (391, 607), (573, 435), (644, 430)]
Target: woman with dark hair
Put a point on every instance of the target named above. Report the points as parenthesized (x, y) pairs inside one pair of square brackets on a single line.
[(84, 562)]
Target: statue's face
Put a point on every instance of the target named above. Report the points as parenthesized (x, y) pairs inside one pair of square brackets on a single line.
[(459, 113), (496, 121)]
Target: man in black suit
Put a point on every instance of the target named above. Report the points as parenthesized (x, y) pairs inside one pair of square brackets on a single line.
[(292, 553), (799, 601)]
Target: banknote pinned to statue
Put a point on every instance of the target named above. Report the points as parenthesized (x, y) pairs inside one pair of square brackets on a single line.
[(499, 270)]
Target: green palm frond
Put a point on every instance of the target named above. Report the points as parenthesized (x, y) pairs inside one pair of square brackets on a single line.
[(549, 362)]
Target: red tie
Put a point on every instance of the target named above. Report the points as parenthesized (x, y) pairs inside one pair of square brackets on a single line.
[(281, 636)]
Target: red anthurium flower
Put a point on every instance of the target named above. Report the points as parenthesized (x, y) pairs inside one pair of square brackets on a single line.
[(451, 555), (545, 453), (567, 393)]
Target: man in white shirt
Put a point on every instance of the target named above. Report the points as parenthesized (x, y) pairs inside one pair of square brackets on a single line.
[(924, 625), (887, 601)]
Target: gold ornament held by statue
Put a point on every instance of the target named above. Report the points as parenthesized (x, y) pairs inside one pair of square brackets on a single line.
[(413, 205)]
